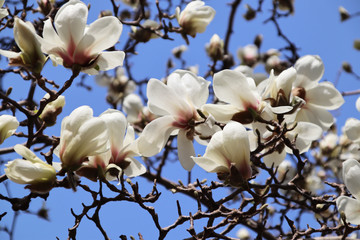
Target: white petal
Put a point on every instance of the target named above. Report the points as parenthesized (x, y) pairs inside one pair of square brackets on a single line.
[(134, 169), (351, 208), (101, 35), (70, 22), (358, 104), (232, 87), (155, 135), (132, 106), (105, 61), (325, 95), (352, 129), (26, 153), (316, 115), (3, 13), (285, 80), (185, 151), (310, 66), (222, 113), (10, 54), (50, 40), (116, 124), (351, 170), (164, 99), (274, 158)]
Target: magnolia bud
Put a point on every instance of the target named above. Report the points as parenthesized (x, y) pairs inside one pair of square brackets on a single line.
[(215, 49), (250, 13), (357, 44), (52, 110), (347, 67), (344, 14), (144, 34)]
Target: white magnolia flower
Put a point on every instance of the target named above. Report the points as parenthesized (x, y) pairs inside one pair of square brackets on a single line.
[(8, 126), (121, 154), (133, 107), (240, 92), (249, 55), (195, 17), (3, 12), (82, 135), (228, 154), (350, 206), (33, 171), (318, 98), (52, 110), (352, 129), (215, 49), (176, 103), (31, 56), (74, 44)]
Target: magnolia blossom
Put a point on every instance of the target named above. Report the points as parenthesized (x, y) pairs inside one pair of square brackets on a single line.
[(33, 171), (3, 12), (52, 110), (195, 17), (176, 103), (317, 97), (249, 55), (31, 56), (352, 129), (8, 126), (120, 156), (350, 206), (228, 154), (215, 49), (74, 44), (82, 135), (240, 92)]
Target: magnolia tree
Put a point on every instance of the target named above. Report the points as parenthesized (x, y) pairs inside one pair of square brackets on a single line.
[(253, 138)]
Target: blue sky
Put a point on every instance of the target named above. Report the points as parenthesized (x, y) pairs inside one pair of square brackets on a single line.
[(315, 28)]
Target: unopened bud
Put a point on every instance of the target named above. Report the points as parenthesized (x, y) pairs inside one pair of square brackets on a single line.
[(344, 14), (243, 234), (258, 40), (215, 49), (250, 13), (357, 44), (347, 67), (52, 110), (105, 13)]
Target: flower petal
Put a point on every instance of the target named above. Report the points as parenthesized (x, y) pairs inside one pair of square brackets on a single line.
[(116, 124), (350, 207), (101, 35), (351, 170), (155, 135), (310, 66), (222, 113), (325, 95), (135, 168), (185, 151)]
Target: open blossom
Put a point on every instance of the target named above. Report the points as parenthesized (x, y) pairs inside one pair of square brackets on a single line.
[(82, 135), (240, 92), (120, 156), (352, 129), (318, 98), (39, 175), (249, 55), (74, 44), (3, 12), (228, 154), (195, 17), (31, 56), (8, 126), (176, 103), (351, 206)]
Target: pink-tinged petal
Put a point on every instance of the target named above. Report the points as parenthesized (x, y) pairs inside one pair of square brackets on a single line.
[(232, 87), (70, 23), (185, 151), (350, 207), (310, 66), (135, 168), (274, 159), (186, 83), (101, 35), (316, 115), (222, 113), (352, 129), (116, 124), (351, 170), (325, 95), (155, 135), (164, 99)]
